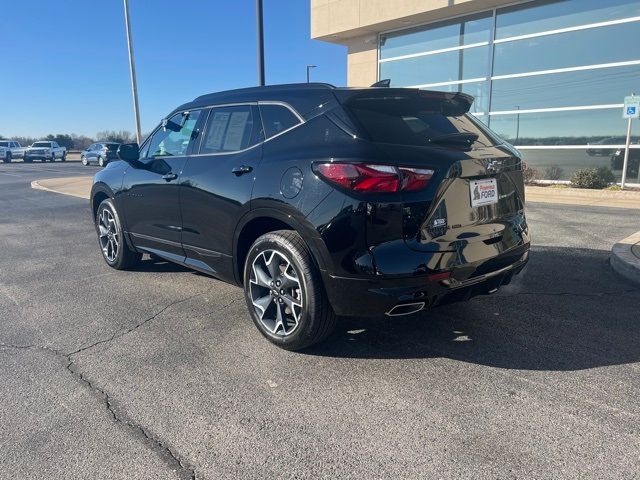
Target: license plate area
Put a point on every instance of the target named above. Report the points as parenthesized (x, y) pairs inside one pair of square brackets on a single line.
[(483, 192)]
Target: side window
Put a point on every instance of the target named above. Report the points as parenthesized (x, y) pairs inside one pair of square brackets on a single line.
[(173, 138), (277, 119), (230, 129)]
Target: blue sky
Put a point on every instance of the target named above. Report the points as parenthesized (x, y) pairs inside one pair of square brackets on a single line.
[(68, 64)]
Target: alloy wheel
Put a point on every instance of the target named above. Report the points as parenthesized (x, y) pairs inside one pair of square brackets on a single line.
[(109, 236), (276, 292)]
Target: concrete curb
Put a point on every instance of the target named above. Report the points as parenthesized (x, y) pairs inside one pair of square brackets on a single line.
[(63, 186), (580, 196), (623, 259)]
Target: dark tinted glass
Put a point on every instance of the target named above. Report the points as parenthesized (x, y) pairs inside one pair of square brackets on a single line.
[(112, 146), (229, 129), (435, 37), (4, 144), (562, 128), (42, 144), (614, 43), (276, 119), (590, 87), (409, 122), (559, 164), (525, 19), (441, 67)]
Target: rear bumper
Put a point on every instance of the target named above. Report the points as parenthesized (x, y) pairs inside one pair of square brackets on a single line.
[(378, 295)]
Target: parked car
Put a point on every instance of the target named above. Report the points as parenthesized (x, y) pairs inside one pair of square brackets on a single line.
[(45, 150), (321, 201), (100, 153), (633, 162), (10, 149), (596, 150)]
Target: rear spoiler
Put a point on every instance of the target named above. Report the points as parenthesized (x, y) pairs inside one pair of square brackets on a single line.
[(450, 104)]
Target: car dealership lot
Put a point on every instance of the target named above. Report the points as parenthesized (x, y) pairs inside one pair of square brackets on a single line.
[(159, 372)]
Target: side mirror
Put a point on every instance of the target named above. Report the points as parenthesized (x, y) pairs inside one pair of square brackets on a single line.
[(129, 152)]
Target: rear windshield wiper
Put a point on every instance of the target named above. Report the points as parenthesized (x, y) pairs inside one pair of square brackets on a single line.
[(458, 138)]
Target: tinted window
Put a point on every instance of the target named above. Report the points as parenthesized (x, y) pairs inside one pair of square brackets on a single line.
[(525, 19), (614, 43), (412, 121), (567, 89), (112, 146), (42, 144), (173, 140), (563, 128), (277, 119), (229, 129), (435, 37), (442, 67), (4, 144)]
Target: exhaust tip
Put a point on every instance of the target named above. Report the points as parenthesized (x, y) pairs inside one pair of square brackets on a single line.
[(405, 309)]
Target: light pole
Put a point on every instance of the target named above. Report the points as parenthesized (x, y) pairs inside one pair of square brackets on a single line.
[(259, 28), (309, 67), (132, 69)]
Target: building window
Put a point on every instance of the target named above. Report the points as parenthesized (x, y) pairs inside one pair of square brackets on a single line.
[(548, 76)]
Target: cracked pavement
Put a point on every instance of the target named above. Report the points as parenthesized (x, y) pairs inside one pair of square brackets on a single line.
[(159, 372)]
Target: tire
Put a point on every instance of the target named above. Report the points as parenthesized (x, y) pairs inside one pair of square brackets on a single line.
[(101, 161), (84, 161), (123, 257), (7, 158), (64, 157), (26, 159), (315, 318), (53, 157)]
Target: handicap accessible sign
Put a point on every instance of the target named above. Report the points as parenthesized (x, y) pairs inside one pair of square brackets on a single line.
[(631, 107)]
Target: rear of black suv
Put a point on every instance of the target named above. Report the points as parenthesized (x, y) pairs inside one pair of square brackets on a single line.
[(433, 200)]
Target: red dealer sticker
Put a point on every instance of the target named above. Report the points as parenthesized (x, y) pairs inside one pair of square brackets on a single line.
[(483, 192)]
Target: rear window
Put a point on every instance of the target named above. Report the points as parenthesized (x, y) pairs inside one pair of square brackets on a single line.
[(414, 120)]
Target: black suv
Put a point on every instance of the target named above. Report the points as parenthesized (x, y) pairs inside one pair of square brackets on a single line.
[(321, 201)]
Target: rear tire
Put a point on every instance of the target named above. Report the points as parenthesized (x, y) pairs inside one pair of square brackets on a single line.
[(7, 157), (53, 157), (114, 247), (63, 158), (284, 292)]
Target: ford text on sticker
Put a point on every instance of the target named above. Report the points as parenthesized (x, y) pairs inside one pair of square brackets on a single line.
[(483, 192)]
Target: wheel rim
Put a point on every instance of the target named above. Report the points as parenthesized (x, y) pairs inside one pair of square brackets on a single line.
[(109, 236), (276, 292)]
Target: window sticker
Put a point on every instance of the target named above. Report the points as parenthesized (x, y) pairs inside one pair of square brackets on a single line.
[(216, 130), (235, 132)]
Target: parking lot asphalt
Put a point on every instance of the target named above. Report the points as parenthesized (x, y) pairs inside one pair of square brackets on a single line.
[(159, 372)]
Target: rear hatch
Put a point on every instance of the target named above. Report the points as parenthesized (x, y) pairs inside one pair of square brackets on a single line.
[(474, 204)]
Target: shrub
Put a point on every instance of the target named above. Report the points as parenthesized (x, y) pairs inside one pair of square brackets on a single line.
[(588, 178), (553, 172), (530, 175), (607, 175)]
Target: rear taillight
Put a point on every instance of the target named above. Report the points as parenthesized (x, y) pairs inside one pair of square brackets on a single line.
[(374, 178)]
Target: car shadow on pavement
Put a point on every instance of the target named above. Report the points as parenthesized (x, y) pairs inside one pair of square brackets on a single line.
[(567, 311), (160, 266)]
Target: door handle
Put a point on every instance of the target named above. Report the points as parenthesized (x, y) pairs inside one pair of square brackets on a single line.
[(241, 170), (169, 176)]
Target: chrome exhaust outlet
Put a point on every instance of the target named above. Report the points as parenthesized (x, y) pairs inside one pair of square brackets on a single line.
[(405, 309)]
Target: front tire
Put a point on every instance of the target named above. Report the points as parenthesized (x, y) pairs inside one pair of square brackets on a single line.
[(101, 161), (84, 161), (7, 157), (284, 292), (113, 245), (63, 158)]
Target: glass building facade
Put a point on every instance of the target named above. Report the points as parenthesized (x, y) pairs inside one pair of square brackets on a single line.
[(548, 76)]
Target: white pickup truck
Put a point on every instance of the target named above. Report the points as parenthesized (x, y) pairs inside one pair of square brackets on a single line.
[(45, 150), (10, 149)]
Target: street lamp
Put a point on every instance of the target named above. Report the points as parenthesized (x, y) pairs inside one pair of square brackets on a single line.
[(132, 70), (309, 67), (259, 29)]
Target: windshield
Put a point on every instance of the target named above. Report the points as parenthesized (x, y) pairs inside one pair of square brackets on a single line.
[(410, 121), (41, 144), (4, 144)]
